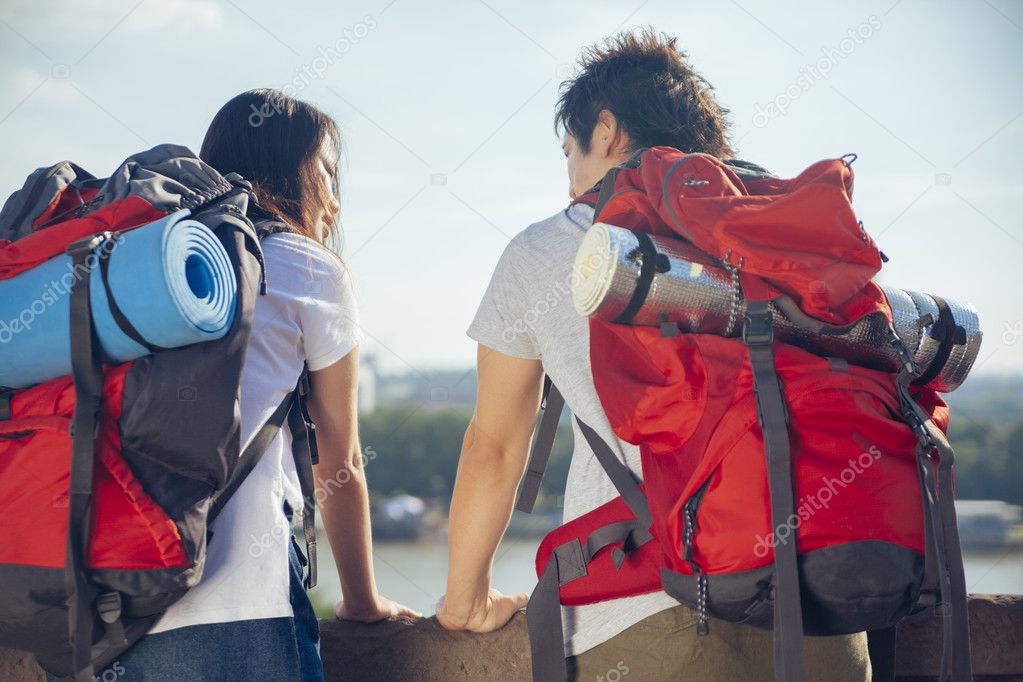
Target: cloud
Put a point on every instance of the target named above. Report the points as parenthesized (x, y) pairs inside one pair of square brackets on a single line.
[(186, 15), (90, 20)]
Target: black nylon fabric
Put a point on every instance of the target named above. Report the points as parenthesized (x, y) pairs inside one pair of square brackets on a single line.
[(195, 387), (888, 576)]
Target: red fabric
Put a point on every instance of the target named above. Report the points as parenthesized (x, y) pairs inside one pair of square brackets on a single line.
[(129, 530), (639, 574), (63, 202), (688, 400), (800, 234), (38, 247)]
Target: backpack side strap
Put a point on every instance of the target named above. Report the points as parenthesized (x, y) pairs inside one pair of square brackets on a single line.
[(87, 375), (943, 548)]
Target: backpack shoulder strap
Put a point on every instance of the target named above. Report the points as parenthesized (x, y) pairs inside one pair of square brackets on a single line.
[(552, 404), (303, 448), (250, 456), (265, 222)]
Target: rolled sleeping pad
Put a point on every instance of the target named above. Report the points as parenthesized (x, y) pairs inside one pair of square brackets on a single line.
[(689, 288), (172, 279)]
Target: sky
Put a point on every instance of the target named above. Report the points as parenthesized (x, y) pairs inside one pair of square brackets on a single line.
[(446, 110)]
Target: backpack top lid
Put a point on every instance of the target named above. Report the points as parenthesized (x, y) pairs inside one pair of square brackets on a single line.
[(798, 235), (63, 203)]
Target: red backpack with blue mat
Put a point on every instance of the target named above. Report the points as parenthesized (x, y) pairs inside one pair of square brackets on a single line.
[(781, 488), (111, 476)]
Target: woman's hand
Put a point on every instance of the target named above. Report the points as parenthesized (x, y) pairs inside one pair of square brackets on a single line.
[(491, 614), (383, 609)]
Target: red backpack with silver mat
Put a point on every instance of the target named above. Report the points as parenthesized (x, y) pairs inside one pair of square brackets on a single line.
[(795, 470)]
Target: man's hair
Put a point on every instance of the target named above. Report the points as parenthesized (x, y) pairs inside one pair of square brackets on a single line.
[(645, 80)]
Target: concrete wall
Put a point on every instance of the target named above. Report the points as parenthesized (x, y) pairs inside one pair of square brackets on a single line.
[(423, 651)]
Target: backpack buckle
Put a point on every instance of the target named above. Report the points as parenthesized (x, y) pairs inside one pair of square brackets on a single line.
[(87, 244), (108, 606), (758, 329)]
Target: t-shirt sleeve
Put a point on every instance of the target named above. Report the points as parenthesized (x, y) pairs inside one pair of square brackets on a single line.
[(327, 310), (506, 315)]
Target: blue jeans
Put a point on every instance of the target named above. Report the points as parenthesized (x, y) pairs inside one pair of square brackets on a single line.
[(279, 649), (307, 627)]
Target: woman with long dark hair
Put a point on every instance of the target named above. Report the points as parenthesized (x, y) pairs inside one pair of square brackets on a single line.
[(249, 615)]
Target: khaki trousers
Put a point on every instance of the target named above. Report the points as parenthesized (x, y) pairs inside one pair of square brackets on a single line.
[(665, 647)]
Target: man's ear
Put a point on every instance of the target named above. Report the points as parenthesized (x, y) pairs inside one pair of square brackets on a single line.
[(609, 139)]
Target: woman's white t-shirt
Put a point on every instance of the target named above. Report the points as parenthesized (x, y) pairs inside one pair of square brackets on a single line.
[(308, 315)]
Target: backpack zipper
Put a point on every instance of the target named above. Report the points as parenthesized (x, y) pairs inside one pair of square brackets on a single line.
[(689, 529), (18, 434)]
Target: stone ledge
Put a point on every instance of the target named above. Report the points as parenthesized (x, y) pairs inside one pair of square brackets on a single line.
[(422, 650), (996, 641)]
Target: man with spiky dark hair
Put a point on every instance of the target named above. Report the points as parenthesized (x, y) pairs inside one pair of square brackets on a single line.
[(635, 90)]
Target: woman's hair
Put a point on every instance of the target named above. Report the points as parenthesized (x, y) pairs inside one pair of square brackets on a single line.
[(646, 81), (274, 141)]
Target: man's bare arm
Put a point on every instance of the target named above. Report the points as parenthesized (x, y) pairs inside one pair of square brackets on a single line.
[(494, 454)]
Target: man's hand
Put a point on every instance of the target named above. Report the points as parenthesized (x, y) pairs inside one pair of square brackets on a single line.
[(489, 615), (383, 608)]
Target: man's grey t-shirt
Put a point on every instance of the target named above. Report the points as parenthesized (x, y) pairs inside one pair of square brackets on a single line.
[(527, 312)]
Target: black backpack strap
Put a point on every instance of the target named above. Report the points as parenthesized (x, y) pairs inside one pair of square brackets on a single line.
[(87, 374), (758, 335), (303, 431), (569, 561), (944, 548), (624, 482), (250, 457), (552, 404), (303, 448), (264, 223), (120, 318)]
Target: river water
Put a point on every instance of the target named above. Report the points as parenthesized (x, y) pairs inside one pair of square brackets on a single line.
[(414, 573)]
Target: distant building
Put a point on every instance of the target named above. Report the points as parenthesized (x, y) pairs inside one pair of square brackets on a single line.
[(988, 524)]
